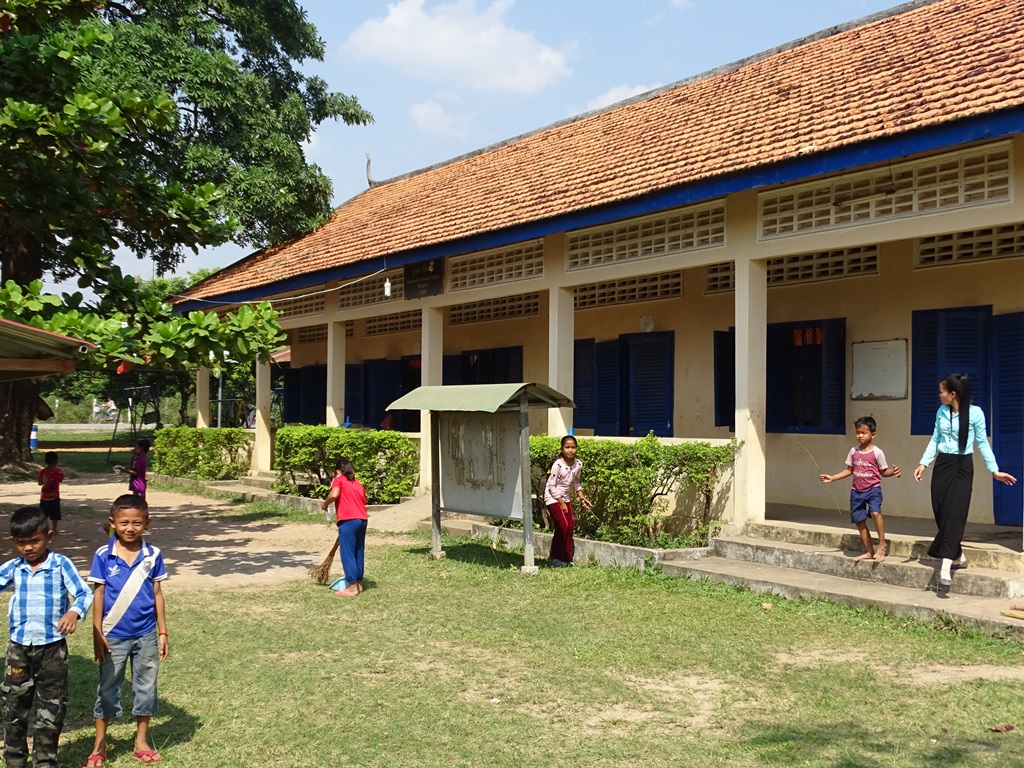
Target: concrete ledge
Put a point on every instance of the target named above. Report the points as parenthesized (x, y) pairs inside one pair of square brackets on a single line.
[(587, 551)]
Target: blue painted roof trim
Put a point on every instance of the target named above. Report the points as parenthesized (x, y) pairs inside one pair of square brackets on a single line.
[(990, 126)]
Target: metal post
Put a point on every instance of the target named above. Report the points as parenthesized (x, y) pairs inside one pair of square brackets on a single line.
[(435, 485), (524, 482)]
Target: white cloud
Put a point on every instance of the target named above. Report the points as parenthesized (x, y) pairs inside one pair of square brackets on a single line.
[(683, 5), (458, 44), (619, 93), (431, 117)]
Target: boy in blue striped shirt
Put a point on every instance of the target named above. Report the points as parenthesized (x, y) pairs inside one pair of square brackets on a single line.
[(41, 616)]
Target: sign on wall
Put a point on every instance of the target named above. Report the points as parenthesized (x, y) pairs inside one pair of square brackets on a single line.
[(425, 278), (879, 370)]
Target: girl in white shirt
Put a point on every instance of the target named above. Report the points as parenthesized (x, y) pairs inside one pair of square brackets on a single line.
[(563, 482)]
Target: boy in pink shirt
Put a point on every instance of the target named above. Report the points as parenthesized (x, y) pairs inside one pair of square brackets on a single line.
[(867, 464)]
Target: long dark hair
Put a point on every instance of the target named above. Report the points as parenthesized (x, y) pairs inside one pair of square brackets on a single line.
[(344, 466), (960, 385)]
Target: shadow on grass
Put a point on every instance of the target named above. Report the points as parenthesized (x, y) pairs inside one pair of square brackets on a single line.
[(171, 727), (848, 745), (466, 551)]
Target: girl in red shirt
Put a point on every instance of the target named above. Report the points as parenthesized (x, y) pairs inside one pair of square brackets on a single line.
[(349, 498)]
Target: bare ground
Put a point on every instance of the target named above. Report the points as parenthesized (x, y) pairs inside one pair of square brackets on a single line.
[(203, 548)]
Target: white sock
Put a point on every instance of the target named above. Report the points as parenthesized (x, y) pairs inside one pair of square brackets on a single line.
[(947, 564)]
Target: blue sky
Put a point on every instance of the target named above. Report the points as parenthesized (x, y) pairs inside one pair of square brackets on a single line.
[(446, 78)]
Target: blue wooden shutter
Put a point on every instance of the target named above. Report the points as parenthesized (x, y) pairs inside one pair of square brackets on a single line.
[(383, 387), (725, 379), (833, 377), (583, 384), (607, 388), (1007, 415), (451, 369), (947, 341), (354, 393), (313, 409), (777, 410), (651, 369), (291, 402)]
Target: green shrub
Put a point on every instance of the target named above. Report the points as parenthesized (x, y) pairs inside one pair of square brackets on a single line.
[(628, 484), (202, 454), (386, 462)]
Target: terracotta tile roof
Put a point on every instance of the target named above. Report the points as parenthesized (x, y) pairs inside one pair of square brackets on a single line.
[(929, 65)]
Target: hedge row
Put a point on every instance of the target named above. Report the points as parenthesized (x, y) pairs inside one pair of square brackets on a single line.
[(202, 454)]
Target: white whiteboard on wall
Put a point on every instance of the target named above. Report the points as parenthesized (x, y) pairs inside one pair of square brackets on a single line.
[(879, 370)]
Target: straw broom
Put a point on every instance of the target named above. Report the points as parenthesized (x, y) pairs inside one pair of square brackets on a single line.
[(322, 573)]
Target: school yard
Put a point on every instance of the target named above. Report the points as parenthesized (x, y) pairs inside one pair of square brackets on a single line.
[(464, 662)]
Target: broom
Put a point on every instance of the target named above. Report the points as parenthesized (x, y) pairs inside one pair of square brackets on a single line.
[(322, 573)]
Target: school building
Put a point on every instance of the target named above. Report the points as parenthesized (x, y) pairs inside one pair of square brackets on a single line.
[(768, 251)]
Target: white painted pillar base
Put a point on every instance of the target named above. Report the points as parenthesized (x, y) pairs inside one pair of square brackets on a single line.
[(262, 454), (335, 416), (202, 397)]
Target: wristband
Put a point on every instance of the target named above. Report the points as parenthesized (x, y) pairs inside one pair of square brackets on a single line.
[(162, 633)]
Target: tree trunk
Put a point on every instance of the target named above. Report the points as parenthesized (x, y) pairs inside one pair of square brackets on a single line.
[(17, 414), (20, 261)]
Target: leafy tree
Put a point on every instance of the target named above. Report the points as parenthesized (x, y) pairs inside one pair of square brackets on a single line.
[(154, 127)]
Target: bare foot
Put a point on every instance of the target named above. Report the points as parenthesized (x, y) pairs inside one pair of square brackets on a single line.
[(880, 556), (350, 591), (865, 556)]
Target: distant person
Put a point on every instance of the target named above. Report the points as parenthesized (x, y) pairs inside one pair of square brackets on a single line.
[(349, 498), (49, 600), (49, 479), (137, 469), (563, 482), (129, 625), (867, 464), (111, 409), (958, 426), (389, 421)]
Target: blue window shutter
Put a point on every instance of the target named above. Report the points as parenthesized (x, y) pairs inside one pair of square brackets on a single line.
[(354, 393), (383, 387), (833, 377), (725, 379), (924, 377), (607, 388), (291, 404), (583, 383), (1006, 419), (777, 415), (451, 369), (947, 341), (651, 369), (313, 409), (513, 365)]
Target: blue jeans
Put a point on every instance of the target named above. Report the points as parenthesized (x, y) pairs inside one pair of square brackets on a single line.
[(351, 542), (144, 653)]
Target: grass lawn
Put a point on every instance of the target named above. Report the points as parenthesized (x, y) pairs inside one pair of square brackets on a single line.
[(464, 662)]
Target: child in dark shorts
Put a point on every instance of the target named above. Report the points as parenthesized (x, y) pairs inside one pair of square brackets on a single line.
[(867, 464), (50, 478)]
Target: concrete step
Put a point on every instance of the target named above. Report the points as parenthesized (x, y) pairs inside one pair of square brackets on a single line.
[(263, 480), (896, 570), (995, 555), (794, 584)]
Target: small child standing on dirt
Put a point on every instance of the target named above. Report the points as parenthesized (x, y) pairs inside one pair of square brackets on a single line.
[(137, 471), (867, 464), (50, 478), (129, 623)]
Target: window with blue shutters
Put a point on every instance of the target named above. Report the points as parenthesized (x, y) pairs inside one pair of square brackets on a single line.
[(608, 386), (805, 377), (947, 341), (313, 408), (583, 383), (650, 380), (1007, 417), (354, 393)]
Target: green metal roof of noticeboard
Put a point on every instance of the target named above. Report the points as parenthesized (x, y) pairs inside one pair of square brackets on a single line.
[(480, 397)]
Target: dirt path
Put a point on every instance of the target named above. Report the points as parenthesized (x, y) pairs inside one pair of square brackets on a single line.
[(202, 547)]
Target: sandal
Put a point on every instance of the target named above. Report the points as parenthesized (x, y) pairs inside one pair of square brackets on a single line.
[(95, 760), (147, 756)]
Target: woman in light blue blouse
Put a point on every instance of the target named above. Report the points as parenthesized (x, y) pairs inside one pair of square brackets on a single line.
[(952, 447)]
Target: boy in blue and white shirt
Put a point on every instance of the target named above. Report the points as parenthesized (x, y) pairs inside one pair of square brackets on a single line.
[(41, 616), (129, 623)]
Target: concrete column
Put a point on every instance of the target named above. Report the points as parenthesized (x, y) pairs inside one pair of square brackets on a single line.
[(751, 335), (561, 331), (335, 375), (263, 451), (431, 362), (202, 396)]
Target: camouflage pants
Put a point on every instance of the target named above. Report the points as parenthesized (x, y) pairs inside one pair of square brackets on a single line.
[(34, 674)]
